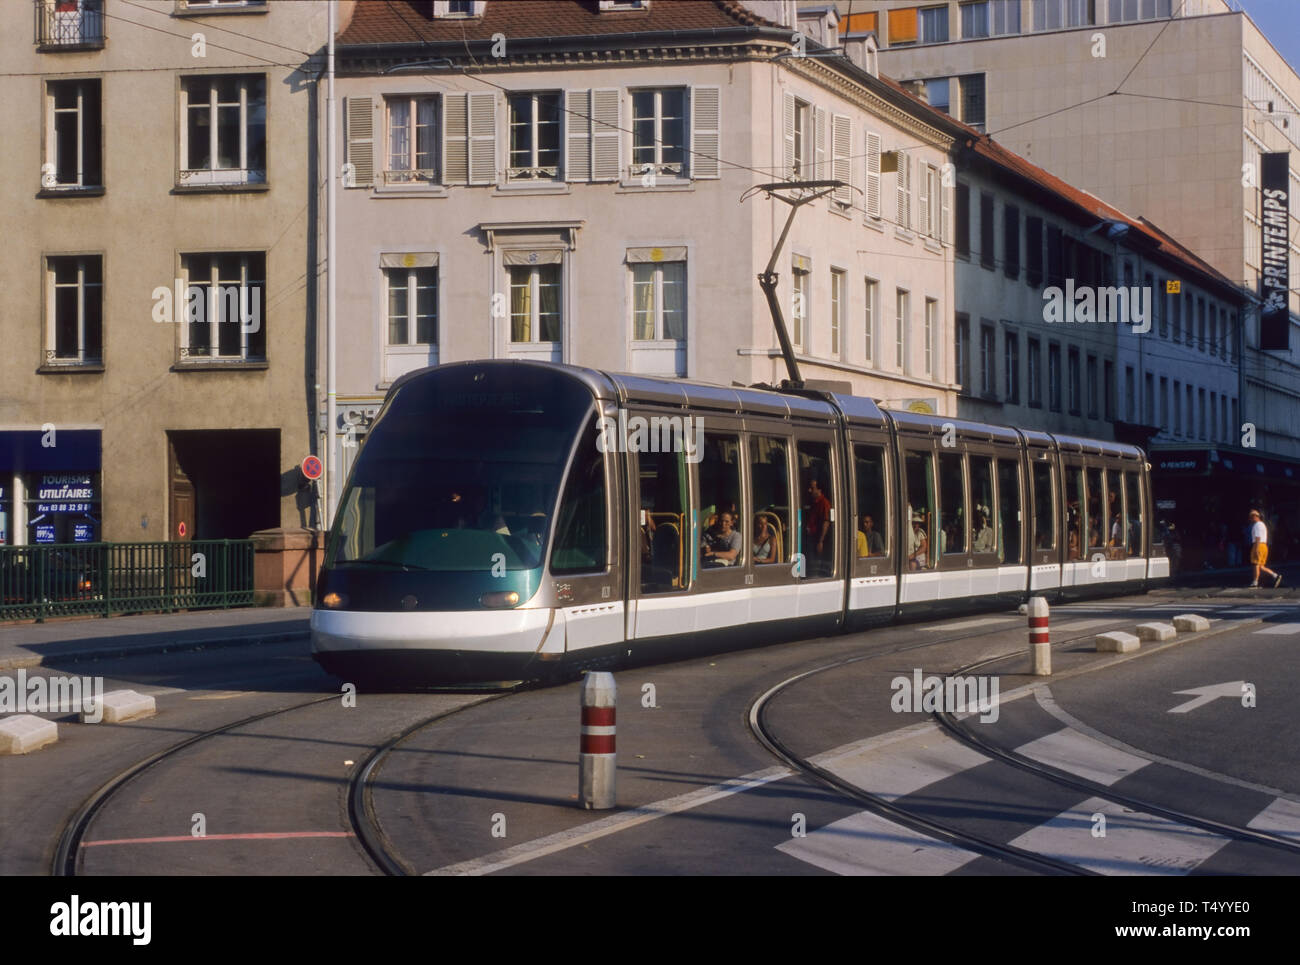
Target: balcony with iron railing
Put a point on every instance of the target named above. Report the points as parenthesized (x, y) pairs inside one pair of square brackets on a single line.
[(63, 25)]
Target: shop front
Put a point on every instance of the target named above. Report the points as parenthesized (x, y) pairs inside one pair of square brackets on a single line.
[(1204, 495), (50, 486)]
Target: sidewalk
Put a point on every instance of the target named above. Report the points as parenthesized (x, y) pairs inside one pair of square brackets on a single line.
[(62, 640), (59, 641)]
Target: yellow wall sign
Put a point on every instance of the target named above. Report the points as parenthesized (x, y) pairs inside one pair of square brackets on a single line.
[(1173, 287)]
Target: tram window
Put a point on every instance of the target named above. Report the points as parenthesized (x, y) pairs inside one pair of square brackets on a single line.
[(817, 538), (983, 534), (665, 528), (1115, 541), (919, 470), (1095, 523), (871, 511), (1009, 511), (1134, 492), (952, 503), (580, 526), (1044, 506), (1074, 520), (721, 539), (770, 489)]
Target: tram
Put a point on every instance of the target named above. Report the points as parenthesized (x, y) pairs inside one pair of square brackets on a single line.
[(515, 520)]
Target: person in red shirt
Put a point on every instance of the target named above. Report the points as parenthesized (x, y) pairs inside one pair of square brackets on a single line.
[(818, 524)]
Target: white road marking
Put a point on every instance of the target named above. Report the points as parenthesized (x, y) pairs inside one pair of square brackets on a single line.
[(561, 840), (1045, 700), (970, 624), (1080, 624), (1282, 817), (1287, 629), (867, 844), (1068, 750), (905, 766), (1135, 843)]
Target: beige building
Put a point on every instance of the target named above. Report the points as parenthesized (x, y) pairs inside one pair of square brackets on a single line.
[(1161, 108), (158, 268), (568, 181)]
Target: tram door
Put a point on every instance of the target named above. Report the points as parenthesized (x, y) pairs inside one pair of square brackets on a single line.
[(824, 515), (586, 548), (1044, 518), (662, 562), (873, 588)]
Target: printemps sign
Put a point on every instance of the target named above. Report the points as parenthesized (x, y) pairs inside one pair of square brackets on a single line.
[(1274, 276)]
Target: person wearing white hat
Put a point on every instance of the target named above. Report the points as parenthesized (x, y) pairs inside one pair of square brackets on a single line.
[(917, 543)]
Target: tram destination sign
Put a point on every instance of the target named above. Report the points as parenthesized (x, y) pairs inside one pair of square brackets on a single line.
[(1274, 277)]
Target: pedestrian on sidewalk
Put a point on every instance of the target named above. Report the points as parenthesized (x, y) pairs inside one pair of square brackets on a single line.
[(1259, 549)]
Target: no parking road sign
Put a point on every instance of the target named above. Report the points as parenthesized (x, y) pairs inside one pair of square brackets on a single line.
[(311, 467)]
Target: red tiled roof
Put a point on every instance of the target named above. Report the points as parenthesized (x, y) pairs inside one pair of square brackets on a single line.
[(411, 21)]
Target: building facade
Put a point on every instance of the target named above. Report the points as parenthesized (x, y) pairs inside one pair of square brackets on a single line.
[(159, 268), (573, 183)]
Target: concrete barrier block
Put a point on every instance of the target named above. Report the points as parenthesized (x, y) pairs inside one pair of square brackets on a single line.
[(23, 733), (1190, 621), (122, 705), (1156, 631), (1116, 642)]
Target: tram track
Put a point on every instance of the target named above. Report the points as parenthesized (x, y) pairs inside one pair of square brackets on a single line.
[(950, 724), (361, 814)]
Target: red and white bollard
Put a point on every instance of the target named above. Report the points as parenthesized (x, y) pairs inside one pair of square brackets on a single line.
[(1040, 650), (597, 757)]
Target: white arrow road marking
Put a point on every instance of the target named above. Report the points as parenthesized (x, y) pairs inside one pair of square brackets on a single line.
[(1207, 694)]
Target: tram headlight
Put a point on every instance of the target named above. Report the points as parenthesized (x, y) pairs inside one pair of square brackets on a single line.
[(333, 601), (504, 598)]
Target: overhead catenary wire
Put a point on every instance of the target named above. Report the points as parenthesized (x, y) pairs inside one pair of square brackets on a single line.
[(686, 148)]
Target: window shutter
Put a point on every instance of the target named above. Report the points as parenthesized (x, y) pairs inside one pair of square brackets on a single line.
[(361, 141), (873, 174), (923, 208), (819, 134), (841, 148), (577, 126), (482, 137), (945, 213), (900, 189), (787, 157), (455, 138), (705, 123), (605, 134)]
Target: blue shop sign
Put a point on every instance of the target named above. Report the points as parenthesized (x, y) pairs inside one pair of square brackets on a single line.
[(45, 532)]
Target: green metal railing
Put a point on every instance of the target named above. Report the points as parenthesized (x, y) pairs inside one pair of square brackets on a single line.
[(72, 579)]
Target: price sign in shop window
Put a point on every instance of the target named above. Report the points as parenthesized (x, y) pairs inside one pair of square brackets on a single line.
[(65, 509)]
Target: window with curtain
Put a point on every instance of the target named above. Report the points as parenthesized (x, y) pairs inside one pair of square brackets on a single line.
[(535, 314), (412, 140), (659, 301), (412, 306)]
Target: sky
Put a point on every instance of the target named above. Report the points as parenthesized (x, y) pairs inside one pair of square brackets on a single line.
[(1279, 21)]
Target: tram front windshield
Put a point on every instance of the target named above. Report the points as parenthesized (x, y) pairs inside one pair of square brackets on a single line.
[(461, 472)]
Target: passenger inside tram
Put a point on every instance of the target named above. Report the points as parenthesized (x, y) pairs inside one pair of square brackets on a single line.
[(766, 542), (722, 543), (918, 544), (983, 542)]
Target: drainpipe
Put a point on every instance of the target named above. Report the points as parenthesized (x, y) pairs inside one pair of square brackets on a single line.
[(331, 290)]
